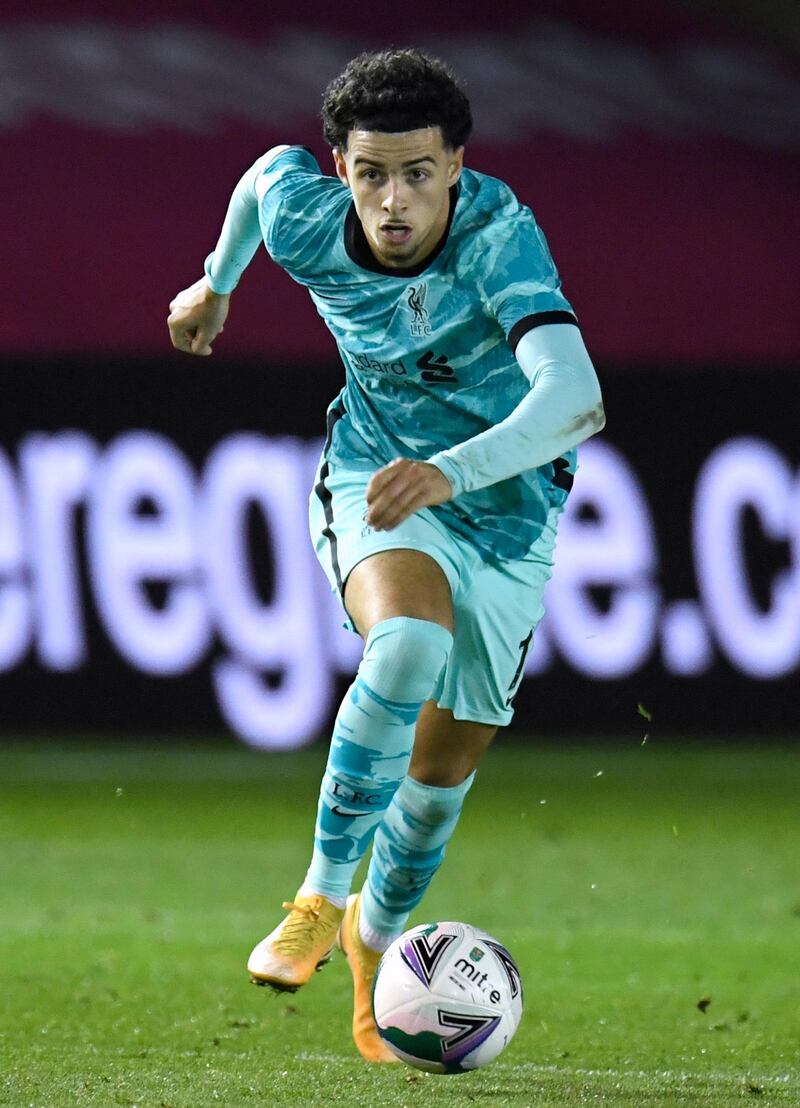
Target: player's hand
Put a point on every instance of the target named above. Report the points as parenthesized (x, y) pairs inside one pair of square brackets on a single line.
[(196, 317), (402, 488)]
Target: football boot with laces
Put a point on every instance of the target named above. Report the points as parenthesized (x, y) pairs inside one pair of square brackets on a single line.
[(363, 962), (301, 943)]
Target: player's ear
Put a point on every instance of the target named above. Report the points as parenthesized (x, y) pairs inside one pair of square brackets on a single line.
[(340, 165), (455, 163)]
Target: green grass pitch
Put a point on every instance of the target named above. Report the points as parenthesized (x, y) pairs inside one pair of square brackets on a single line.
[(649, 893)]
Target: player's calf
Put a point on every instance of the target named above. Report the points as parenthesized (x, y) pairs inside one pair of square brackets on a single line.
[(372, 741), (408, 849)]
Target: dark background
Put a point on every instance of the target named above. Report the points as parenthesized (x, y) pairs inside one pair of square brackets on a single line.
[(664, 432)]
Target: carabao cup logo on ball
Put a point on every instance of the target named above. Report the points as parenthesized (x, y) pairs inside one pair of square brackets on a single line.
[(447, 997)]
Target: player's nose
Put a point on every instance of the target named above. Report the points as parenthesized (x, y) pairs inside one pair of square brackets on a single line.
[(395, 199)]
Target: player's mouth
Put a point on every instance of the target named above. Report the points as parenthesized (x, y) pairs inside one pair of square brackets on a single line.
[(396, 233)]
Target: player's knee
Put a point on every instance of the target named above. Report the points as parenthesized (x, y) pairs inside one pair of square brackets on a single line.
[(404, 657)]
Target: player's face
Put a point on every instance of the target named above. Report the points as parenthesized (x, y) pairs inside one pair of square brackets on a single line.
[(400, 186)]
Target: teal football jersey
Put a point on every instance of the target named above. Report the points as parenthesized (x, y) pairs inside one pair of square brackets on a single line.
[(428, 351)]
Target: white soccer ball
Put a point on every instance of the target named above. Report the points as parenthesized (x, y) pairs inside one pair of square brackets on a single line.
[(447, 997)]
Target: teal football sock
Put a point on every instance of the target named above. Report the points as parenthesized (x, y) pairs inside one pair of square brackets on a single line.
[(371, 746), (408, 850)]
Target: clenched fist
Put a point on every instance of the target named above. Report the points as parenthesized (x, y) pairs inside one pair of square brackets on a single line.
[(196, 317), (402, 488)]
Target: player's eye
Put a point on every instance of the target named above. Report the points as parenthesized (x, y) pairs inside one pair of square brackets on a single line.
[(370, 174), (418, 175)]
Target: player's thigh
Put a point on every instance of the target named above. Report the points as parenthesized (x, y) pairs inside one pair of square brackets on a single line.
[(399, 582), (447, 750), (412, 570)]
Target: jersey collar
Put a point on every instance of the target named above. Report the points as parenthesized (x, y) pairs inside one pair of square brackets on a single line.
[(357, 247)]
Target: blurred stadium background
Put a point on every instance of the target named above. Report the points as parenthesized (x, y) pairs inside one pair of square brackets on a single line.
[(154, 569), (160, 608)]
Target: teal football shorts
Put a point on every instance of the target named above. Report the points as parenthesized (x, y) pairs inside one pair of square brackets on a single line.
[(496, 607)]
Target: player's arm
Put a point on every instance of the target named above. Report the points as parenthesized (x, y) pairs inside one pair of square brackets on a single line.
[(197, 314), (563, 408)]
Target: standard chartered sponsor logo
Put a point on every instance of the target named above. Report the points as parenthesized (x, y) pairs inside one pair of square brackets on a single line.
[(166, 559)]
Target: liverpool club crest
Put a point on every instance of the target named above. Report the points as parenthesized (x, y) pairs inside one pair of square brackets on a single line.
[(417, 295)]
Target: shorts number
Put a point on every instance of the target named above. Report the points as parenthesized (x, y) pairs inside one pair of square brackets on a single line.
[(524, 646)]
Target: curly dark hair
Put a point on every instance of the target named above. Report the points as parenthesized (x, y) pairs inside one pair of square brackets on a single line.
[(395, 90)]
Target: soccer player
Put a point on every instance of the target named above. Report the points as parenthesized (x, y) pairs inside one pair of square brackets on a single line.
[(449, 455)]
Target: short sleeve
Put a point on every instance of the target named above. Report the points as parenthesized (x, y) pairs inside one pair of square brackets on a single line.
[(519, 282), (289, 192)]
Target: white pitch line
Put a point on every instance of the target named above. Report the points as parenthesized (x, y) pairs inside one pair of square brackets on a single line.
[(308, 1056), (578, 1071), (667, 1075)]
